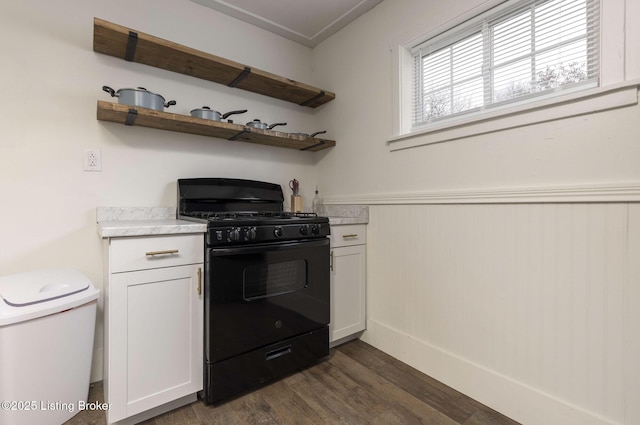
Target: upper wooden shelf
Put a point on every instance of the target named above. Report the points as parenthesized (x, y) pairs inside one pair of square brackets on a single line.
[(131, 115), (125, 43)]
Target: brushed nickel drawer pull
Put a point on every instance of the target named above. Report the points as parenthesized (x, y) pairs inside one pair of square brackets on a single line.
[(199, 281), (331, 261), (352, 235), (167, 252)]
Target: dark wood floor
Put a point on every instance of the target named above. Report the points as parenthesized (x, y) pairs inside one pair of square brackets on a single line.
[(358, 384)]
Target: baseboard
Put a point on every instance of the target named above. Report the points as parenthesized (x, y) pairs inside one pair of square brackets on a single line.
[(345, 339), (514, 399)]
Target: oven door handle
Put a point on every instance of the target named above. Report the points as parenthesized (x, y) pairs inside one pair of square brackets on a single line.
[(258, 248)]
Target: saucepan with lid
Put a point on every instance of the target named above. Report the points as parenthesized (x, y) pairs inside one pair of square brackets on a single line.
[(139, 97), (310, 135), (209, 114), (263, 125)]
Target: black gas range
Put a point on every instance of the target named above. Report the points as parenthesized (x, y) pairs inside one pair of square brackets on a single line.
[(267, 284), (244, 211)]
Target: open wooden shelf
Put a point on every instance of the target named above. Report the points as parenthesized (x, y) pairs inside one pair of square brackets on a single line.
[(131, 115), (125, 43)]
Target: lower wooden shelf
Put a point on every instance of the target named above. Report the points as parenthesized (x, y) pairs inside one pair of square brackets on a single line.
[(131, 115)]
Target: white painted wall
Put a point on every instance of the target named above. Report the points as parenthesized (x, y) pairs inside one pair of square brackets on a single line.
[(357, 62), (51, 80), (530, 308)]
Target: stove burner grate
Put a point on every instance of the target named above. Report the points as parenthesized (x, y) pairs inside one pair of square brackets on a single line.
[(237, 215)]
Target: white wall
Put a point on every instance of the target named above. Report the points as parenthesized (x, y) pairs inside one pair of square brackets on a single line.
[(51, 81), (530, 308), (357, 62)]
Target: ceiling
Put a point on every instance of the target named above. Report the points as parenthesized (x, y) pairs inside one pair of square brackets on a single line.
[(307, 22)]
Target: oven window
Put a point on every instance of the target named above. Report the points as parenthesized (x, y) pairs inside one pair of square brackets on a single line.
[(267, 280)]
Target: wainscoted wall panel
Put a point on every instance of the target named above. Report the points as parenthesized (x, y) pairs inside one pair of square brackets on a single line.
[(632, 393), (526, 307)]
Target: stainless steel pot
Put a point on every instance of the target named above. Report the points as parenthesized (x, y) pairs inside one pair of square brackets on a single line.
[(139, 97), (209, 114), (263, 125)]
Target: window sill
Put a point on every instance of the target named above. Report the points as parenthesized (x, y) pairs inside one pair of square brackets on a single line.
[(572, 105)]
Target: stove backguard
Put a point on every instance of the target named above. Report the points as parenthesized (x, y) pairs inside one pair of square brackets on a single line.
[(222, 194)]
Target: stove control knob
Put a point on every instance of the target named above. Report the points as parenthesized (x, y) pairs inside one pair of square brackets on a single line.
[(315, 229), (278, 232), (304, 230), (252, 233), (234, 235)]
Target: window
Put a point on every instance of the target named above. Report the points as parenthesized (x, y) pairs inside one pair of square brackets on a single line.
[(533, 49)]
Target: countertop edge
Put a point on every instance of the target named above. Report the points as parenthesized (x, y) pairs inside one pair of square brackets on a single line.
[(123, 228), (339, 221), (345, 214)]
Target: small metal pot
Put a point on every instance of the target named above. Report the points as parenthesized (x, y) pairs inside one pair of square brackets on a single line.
[(263, 125), (209, 114), (139, 97), (310, 135)]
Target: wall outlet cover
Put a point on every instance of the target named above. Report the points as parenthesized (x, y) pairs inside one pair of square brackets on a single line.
[(92, 160)]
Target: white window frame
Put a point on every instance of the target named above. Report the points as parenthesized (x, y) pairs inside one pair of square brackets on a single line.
[(613, 91)]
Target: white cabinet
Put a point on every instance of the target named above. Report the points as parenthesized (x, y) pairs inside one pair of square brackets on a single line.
[(348, 282), (153, 324)]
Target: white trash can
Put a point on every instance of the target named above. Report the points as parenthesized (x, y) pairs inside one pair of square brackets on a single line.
[(47, 322)]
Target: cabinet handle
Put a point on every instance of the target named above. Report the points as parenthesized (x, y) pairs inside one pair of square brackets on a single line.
[(352, 235), (169, 251), (199, 281), (331, 261)]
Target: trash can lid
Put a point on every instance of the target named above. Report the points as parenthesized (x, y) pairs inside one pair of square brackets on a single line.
[(37, 293)]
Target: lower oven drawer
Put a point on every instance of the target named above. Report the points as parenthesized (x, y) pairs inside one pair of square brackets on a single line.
[(237, 375)]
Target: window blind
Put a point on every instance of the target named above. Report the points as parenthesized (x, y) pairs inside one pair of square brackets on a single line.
[(530, 49)]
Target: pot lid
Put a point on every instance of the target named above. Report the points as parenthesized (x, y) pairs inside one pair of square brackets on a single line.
[(143, 90), (205, 108)]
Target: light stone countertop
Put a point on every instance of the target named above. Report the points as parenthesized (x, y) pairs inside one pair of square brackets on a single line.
[(345, 214), (140, 221), (116, 222)]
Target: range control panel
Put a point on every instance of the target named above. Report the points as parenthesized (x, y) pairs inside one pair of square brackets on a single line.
[(233, 235)]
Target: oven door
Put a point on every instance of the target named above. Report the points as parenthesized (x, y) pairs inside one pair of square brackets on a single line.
[(260, 294)]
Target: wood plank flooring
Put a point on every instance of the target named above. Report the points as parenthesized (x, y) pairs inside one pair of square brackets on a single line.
[(358, 384)]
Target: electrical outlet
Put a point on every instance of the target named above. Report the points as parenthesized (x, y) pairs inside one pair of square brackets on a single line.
[(92, 160)]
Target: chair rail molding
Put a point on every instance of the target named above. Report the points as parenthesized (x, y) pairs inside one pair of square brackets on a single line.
[(621, 192)]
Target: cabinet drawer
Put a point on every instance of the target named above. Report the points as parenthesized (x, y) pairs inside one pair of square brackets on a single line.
[(346, 235), (149, 252)]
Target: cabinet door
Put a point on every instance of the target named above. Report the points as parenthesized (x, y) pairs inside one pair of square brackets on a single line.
[(348, 315), (155, 334)]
